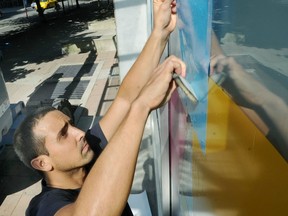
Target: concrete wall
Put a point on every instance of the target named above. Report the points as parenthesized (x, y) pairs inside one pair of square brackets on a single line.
[(133, 26)]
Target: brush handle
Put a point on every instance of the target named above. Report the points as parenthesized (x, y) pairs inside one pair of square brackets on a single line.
[(185, 87)]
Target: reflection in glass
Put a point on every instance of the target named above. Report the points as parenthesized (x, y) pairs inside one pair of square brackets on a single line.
[(255, 74)]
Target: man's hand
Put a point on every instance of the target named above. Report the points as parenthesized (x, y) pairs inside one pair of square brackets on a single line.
[(160, 87), (164, 16), (243, 87)]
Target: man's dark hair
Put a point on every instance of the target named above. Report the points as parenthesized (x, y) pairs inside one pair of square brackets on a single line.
[(27, 144)]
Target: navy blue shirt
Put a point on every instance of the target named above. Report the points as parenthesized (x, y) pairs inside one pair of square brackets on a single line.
[(50, 200)]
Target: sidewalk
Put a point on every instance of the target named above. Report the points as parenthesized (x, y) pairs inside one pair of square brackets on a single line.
[(72, 56), (16, 19)]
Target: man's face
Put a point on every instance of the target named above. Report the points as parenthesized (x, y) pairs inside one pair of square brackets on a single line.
[(66, 144)]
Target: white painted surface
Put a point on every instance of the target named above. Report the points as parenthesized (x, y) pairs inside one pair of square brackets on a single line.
[(133, 26)]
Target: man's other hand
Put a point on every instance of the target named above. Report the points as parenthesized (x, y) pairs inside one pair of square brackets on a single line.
[(160, 87), (164, 16)]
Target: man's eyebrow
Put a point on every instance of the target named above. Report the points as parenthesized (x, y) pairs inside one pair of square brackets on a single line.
[(63, 130), (70, 121)]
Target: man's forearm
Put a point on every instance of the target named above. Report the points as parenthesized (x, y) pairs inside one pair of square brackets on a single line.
[(164, 12), (143, 67), (133, 83), (111, 177), (277, 111)]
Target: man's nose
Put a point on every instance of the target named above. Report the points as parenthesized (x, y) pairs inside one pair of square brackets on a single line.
[(78, 133)]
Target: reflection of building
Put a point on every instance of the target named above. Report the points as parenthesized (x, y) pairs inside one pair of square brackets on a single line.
[(10, 3)]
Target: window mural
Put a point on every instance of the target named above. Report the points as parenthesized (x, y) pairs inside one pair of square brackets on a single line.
[(228, 154)]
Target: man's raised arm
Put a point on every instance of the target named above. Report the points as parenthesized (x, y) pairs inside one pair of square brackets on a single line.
[(142, 70)]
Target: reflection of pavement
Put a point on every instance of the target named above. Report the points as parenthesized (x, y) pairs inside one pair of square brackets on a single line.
[(275, 59)]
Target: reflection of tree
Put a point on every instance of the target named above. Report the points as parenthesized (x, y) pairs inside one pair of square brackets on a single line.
[(39, 9), (144, 179)]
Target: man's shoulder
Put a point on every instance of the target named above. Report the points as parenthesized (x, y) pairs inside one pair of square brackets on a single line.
[(48, 202)]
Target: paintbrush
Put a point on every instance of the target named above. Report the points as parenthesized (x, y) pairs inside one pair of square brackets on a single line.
[(184, 85)]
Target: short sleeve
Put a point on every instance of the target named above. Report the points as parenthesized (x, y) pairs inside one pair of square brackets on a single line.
[(47, 204), (97, 131)]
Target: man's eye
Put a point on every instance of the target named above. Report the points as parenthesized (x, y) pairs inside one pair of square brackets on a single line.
[(64, 130), (64, 133)]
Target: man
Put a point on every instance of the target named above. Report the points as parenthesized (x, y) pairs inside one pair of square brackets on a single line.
[(48, 143)]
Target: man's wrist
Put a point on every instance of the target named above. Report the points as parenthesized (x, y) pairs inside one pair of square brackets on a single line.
[(160, 34), (140, 106)]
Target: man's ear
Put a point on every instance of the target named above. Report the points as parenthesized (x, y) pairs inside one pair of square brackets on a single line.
[(42, 163)]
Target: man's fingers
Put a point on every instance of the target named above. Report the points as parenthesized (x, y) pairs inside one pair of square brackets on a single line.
[(173, 7), (160, 87), (176, 65), (218, 64)]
